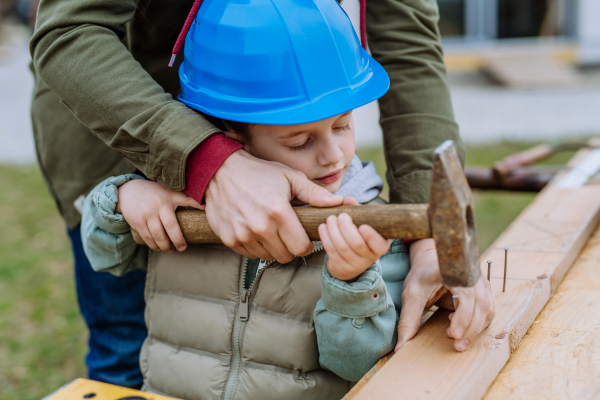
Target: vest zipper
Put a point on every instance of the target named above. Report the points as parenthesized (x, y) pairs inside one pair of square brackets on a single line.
[(243, 314)]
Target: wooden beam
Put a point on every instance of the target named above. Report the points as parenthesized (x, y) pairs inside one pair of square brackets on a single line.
[(544, 241), (558, 357)]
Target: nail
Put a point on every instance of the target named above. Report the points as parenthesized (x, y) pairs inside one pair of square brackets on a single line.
[(182, 248), (455, 301), (489, 270), (331, 218), (505, 264), (342, 217), (462, 345)]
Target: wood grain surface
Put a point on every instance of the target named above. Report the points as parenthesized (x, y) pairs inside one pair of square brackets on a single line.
[(392, 221), (559, 356), (544, 241)]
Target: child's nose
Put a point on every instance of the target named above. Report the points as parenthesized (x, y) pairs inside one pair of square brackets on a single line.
[(330, 154)]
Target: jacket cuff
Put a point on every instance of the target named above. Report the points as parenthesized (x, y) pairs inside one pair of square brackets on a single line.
[(173, 142), (410, 141), (363, 298), (204, 162), (104, 202)]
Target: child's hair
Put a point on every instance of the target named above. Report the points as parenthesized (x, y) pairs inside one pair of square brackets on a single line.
[(241, 128)]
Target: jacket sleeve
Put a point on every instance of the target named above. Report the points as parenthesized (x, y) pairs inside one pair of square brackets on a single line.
[(77, 50), (106, 236), (355, 323), (416, 112)]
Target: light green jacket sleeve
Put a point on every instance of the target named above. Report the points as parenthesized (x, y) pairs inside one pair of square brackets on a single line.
[(356, 323), (106, 236)]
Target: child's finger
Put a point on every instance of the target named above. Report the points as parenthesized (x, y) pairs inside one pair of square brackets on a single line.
[(342, 246), (144, 232), (354, 239), (377, 243), (337, 266), (171, 226), (159, 235)]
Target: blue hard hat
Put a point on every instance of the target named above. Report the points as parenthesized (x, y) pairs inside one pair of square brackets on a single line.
[(276, 62)]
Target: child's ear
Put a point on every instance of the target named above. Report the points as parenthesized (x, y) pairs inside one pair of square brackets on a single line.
[(236, 137)]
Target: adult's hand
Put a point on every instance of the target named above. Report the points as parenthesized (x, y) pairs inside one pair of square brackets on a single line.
[(248, 207), (423, 288)]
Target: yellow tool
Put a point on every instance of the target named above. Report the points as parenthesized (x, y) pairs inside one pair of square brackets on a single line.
[(81, 389)]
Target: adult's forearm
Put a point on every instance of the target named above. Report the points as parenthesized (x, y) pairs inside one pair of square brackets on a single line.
[(77, 51), (416, 113)]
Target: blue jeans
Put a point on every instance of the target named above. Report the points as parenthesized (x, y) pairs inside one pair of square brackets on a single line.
[(113, 309)]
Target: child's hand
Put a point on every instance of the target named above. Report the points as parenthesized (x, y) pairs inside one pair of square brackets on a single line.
[(150, 208), (351, 250)]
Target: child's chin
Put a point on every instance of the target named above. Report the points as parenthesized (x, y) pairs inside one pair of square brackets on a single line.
[(332, 187)]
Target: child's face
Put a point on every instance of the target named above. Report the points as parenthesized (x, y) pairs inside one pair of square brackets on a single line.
[(322, 150)]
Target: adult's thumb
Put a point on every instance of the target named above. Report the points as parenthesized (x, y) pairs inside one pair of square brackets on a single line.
[(410, 320), (181, 199), (311, 193)]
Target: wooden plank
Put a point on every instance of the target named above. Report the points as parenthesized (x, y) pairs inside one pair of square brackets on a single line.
[(531, 71), (544, 241), (559, 357)]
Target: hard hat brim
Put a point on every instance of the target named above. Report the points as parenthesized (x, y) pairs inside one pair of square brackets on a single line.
[(326, 106)]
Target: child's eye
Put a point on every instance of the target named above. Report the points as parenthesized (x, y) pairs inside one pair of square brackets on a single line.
[(343, 128), (301, 147)]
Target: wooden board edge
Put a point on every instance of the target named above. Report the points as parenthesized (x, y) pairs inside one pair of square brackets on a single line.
[(532, 308)]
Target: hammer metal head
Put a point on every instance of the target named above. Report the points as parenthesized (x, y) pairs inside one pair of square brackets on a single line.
[(452, 219)]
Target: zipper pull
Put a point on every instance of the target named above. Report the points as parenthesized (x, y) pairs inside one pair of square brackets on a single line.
[(244, 305), (261, 264)]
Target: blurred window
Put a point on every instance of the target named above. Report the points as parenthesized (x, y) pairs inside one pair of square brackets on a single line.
[(452, 17), (481, 20), (520, 18)]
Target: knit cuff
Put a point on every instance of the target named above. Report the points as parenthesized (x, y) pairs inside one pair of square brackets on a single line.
[(204, 162)]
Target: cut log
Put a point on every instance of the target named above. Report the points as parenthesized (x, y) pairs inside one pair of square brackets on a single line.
[(558, 357), (544, 241)]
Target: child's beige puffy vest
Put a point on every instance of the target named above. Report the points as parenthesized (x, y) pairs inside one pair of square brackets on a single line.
[(208, 338)]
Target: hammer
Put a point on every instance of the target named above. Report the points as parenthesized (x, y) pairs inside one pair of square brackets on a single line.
[(448, 218)]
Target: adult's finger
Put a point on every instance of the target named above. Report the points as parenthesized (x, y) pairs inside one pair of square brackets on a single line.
[(159, 235), (483, 314), (463, 314), (172, 228), (311, 193), (257, 249), (413, 304), (242, 240), (291, 239), (478, 324)]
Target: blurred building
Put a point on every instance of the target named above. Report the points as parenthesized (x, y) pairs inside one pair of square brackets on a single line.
[(567, 24)]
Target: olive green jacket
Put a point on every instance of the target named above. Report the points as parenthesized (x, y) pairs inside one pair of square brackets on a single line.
[(102, 84)]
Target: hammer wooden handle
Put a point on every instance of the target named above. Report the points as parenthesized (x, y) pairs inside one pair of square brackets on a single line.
[(392, 221)]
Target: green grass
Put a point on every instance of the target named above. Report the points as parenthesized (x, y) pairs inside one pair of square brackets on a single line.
[(42, 336)]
